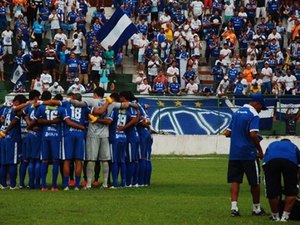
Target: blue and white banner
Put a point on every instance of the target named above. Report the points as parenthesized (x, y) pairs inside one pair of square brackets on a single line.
[(116, 31), (287, 102), (188, 116), (17, 74)]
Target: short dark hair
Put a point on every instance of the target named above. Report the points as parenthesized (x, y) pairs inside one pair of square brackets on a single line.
[(115, 96), (20, 98), (34, 94), (58, 97), (78, 96), (46, 96), (99, 91), (125, 94)]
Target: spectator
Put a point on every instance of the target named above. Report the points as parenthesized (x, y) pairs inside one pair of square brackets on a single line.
[(267, 75), (174, 87), (46, 80), (84, 70), (37, 84), (19, 87), (95, 64), (290, 83), (144, 88), (104, 72), (110, 59), (217, 73), (54, 19), (153, 66), (139, 80), (281, 162), (77, 46), (162, 78), (223, 87), (76, 87), (159, 87), (192, 88), (248, 73), (56, 89), (172, 71), (241, 86)]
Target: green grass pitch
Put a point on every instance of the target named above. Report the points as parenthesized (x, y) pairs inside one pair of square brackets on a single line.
[(184, 191)]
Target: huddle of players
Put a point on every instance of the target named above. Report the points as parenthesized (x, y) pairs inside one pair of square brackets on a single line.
[(43, 130)]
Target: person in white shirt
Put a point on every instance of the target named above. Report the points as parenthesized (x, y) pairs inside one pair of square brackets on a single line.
[(172, 71), (164, 19), (226, 55), (153, 66), (77, 46), (195, 24), (76, 87), (229, 11), (46, 79), (60, 37), (139, 79), (277, 84), (267, 74), (54, 19), (141, 46), (145, 88), (274, 35), (290, 83), (7, 36), (95, 64), (36, 84), (192, 88), (223, 86), (197, 7), (56, 89)]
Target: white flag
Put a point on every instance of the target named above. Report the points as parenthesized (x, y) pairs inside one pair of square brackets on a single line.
[(17, 74)]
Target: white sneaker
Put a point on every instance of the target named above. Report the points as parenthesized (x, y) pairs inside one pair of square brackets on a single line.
[(87, 188), (14, 188), (76, 189), (66, 189), (284, 219), (2, 187)]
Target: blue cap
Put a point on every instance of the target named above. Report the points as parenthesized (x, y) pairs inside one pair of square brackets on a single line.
[(260, 99)]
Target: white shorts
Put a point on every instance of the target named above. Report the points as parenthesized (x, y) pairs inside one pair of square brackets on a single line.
[(97, 149), (7, 49), (262, 11)]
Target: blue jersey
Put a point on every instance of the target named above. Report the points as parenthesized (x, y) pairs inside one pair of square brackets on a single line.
[(52, 131), (232, 74), (159, 87), (73, 65), (189, 75), (15, 133), (77, 115), (44, 12), (131, 132), (142, 28), (174, 88), (243, 121), (71, 17), (113, 126), (282, 150), (3, 13), (237, 22), (84, 65), (272, 6), (217, 72)]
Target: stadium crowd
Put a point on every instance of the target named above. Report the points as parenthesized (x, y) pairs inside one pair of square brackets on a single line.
[(250, 46)]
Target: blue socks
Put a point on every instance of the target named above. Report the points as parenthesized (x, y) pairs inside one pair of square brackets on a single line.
[(142, 172), (44, 169), (55, 170), (23, 168), (13, 175)]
